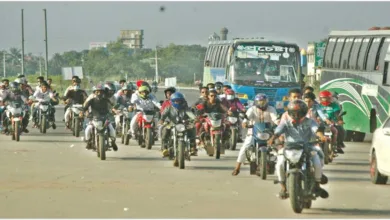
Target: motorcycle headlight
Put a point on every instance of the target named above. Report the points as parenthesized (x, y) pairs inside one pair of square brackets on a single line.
[(98, 125), (180, 127), (328, 133), (232, 120), (293, 155), (263, 136), (44, 107), (216, 123)]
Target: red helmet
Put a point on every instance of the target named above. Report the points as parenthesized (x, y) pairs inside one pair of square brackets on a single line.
[(139, 83), (230, 94), (325, 97)]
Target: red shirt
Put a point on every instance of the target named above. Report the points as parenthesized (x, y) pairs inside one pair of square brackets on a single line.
[(165, 104)]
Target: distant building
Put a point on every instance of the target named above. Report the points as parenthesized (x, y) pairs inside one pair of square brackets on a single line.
[(132, 38), (95, 45)]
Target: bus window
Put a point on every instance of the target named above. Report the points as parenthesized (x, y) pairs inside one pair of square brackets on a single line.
[(329, 52), (372, 54), (213, 54), (207, 56), (221, 56), (345, 54), (354, 53), (337, 53), (383, 50), (217, 56), (361, 62), (224, 55), (385, 72)]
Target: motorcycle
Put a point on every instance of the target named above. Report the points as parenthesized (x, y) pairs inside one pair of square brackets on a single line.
[(44, 112), (125, 127), (212, 135), (15, 115), (179, 144), (100, 135), (300, 175), (76, 121), (262, 159), (232, 126), (329, 150), (145, 132)]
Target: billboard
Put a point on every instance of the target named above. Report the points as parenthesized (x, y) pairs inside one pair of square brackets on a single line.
[(94, 45), (319, 50), (69, 72), (170, 82)]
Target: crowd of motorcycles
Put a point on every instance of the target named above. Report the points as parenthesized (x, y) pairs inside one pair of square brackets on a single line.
[(220, 133)]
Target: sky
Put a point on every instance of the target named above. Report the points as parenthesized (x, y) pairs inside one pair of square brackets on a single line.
[(73, 25)]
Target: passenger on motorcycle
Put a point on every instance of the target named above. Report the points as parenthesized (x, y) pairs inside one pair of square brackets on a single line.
[(136, 93), (168, 92), (218, 89), (315, 112), (15, 94), (226, 87), (259, 112), (211, 86), (204, 92), (293, 94), (143, 103), (171, 112), (298, 129), (231, 102), (41, 95), (73, 96), (75, 82), (6, 83), (40, 80), (124, 100), (332, 111), (25, 88), (122, 84), (100, 106)]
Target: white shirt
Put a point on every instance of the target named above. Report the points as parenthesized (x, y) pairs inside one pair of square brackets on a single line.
[(254, 114)]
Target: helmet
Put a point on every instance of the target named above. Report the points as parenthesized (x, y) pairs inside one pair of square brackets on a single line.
[(230, 94), (110, 86), (21, 81), (128, 87), (178, 101), (143, 89), (261, 101), (325, 97), (218, 85), (297, 110), (14, 87), (139, 83), (98, 87), (169, 89)]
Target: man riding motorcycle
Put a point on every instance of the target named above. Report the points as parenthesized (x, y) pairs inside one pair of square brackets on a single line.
[(75, 82), (332, 111), (40, 96), (178, 104), (14, 94), (76, 95), (259, 112), (124, 100), (230, 101), (298, 129), (168, 92), (100, 106), (204, 92), (143, 102), (122, 84), (218, 88), (5, 83)]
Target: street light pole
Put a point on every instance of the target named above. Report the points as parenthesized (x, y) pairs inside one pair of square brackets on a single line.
[(47, 52), (156, 65), (22, 43), (4, 63)]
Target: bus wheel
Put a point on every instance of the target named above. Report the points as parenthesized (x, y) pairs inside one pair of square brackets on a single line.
[(372, 120), (348, 136), (359, 136)]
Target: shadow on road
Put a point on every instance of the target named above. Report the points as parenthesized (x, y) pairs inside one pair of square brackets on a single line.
[(366, 164), (354, 212), (346, 171), (54, 141), (350, 179), (138, 158), (212, 168)]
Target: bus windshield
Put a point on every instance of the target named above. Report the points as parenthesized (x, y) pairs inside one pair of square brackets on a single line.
[(261, 64)]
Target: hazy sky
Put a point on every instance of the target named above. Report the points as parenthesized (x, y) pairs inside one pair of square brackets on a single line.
[(73, 25)]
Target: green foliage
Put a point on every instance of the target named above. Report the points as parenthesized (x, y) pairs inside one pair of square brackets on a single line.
[(117, 60)]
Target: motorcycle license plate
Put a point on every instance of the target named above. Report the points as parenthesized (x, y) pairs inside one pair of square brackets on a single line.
[(328, 133)]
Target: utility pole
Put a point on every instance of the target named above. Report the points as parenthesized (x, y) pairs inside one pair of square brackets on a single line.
[(40, 65), (4, 64), (47, 52), (156, 65), (22, 43)]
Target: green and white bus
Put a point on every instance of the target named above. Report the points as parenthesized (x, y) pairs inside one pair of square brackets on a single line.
[(356, 67)]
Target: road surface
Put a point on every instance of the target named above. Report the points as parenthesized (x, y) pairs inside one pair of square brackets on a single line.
[(53, 176)]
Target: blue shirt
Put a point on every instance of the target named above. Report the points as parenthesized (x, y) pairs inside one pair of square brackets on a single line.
[(301, 133)]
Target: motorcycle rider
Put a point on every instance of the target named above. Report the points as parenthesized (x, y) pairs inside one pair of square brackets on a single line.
[(298, 129), (124, 100), (218, 88), (143, 102), (168, 92), (178, 105), (293, 94), (15, 94), (76, 95), (211, 86), (75, 82), (26, 89), (261, 111), (136, 93), (5, 83), (230, 101), (100, 106), (226, 87), (332, 111), (40, 80), (308, 89), (122, 84), (41, 95), (204, 92)]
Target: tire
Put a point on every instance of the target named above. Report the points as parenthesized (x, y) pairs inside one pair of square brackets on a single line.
[(376, 176), (307, 205), (294, 190), (76, 127), (72, 126), (17, 130), (13, 133), (358, 136), (233, 139), (373, 121), (252, 168), (325, 147), (43, 124), (263, 165), (181, 154), (102, 149), (348, 135), (97, 147), (217, 146), (149, 138)]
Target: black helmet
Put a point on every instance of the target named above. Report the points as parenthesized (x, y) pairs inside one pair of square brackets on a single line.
[(218, 85), (297, 110), (14, 87), (169, 89)]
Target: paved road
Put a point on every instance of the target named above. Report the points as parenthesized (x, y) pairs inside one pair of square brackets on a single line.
[(53, 176)]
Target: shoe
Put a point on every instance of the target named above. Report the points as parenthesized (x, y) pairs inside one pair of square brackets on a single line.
[(175, 163), (340, 150), (324, 179), (165, 153), (54, 126), (114, 146)]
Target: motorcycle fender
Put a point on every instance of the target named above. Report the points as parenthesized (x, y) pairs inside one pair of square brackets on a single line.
[(294, 170), (148, 125)]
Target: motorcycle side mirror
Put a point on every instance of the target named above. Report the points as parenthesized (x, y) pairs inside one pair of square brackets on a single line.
[(343, 113)]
